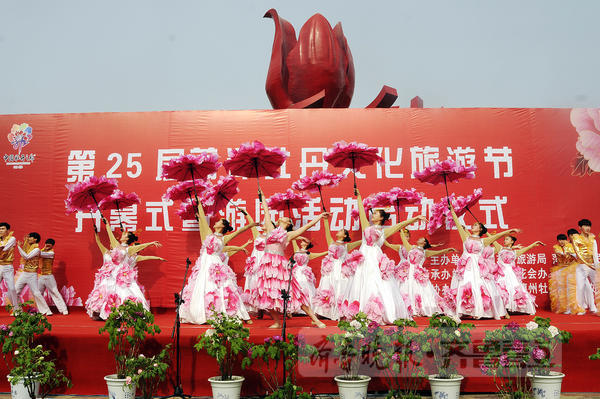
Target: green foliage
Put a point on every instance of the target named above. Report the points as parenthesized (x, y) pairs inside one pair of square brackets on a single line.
[(224, 341), (147, 372), (27, 325), (270, 355), (33, 365), (441, 338), (512, 351), (596, 356), (128, 326)]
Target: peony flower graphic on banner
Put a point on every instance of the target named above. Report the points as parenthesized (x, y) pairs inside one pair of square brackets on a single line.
[(586, 122)]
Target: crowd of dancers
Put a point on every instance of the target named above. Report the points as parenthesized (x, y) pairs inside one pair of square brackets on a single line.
[(356, 276)]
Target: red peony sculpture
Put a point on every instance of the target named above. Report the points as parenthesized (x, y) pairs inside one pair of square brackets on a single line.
[(315, 70)]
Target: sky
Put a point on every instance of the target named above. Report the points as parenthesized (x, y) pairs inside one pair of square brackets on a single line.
[(143, 55)]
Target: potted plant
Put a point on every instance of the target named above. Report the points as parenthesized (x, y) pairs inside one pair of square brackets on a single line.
[(127, 327), (520, 357), (351, 347), (225, 341), (545, 383), (398, 352), (444, 337), (34, 373), (147, 372), (271, 354)]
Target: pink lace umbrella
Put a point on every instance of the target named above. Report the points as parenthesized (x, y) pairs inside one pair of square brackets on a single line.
[(287, 200), (85, 196), (188, 210), (118, 200), (444, 171), (218, 195), (461, 205), (191, 167), (316, 182), (352, 155), (255, 160), (184, 190), (400, 197)]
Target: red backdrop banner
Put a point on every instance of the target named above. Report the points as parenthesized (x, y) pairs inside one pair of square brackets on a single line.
[(524, 157)]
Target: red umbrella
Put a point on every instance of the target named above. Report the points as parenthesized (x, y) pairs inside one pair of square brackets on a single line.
[(444, 171), (316, 181), (192, 166), (218, 195), (255, 160), (85, 196), (118, 200), (184, 190), (188, 210), (287, 200), (352, 155)]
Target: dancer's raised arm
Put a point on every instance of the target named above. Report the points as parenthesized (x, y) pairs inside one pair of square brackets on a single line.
[(328, 235), (232, 235), (268, 226), (101, 246), (364, 220), (527, 248), (488, 240), (111, 236), (205, 229), (232, 250), (405, 242), (440, 252), (464, 234), (134, 249), (141, 258), (294, 234), (399, 226), (255, 232)]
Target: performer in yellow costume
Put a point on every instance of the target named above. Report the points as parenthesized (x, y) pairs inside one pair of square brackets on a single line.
[(562, 280), (7, 257), (46, 280), (587, 256), (30, 258)]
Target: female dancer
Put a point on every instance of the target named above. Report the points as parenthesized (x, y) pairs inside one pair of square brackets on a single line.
[(476, 295), (116, 281), (212, 286), (302, 272), (369, 289), (509, 276), (334, 273), (414, 279), (272, 274), (252, 262)]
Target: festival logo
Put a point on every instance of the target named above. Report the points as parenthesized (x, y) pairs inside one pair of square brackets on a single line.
[(19, 137)]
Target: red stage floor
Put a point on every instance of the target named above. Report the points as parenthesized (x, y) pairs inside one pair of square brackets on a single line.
[(84, 352)]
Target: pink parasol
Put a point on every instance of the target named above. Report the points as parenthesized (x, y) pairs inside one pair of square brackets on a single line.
[(85, 196), (400, 197), (287, 200), (255, 160), (188, 210), (461, 205), (119, 200), (352, 155), (184, 190), (378, 200), (218, 195), (191, 166), (316, 181), (444, 171)]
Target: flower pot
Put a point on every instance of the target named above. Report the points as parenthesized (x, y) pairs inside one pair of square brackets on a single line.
[(118, 387), (226, 389), (448, 388), (19, 390), (546, 386), (352, 389)]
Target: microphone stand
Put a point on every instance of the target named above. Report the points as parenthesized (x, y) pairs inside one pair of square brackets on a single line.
[(285, 295), (177, 389)]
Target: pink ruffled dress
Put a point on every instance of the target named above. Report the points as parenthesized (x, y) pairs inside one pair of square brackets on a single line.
[(212, 286), (518, 299), (476, 293), (373, 288), (272, 276), (114, 283), (252, 263), (305, 277), (415, 285), (335, 271)]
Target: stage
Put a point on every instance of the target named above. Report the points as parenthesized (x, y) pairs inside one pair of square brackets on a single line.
[(84, 351)]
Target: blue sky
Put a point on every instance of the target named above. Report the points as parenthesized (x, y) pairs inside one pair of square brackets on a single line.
[(80, 56)]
